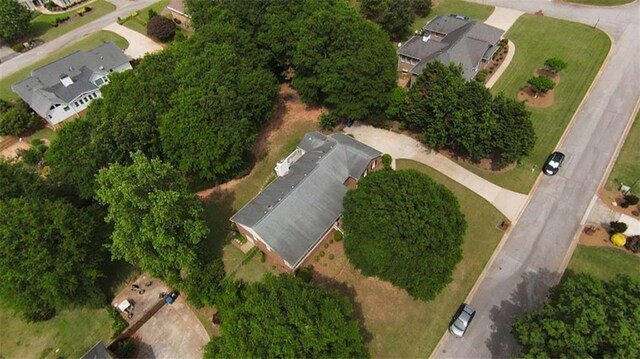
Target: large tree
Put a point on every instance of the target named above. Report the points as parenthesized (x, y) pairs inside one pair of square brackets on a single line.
[(584, 317), (157, 221), (514, 136), (16, 182), (285, 317), (405, 228), (50, 257), (15, 20), (17, 119), (393, 16)]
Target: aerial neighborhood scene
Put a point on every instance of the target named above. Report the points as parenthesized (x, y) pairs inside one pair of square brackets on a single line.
[(319, 179)]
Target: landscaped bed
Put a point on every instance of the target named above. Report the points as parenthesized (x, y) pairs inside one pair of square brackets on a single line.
[(536, 39)]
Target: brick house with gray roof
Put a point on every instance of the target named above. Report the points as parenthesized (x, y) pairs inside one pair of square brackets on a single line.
[(67, 86), (292, 215), (449, 39)]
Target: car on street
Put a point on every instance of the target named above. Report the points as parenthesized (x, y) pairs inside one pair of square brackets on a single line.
[(461, 320), (553, 163)]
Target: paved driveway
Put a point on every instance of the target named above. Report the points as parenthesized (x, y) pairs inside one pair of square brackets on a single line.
[(404, 147), (139, 45)]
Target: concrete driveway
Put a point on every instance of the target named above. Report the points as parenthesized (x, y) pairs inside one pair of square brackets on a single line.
[(404, 147), (173, 332), (139, 45), (503, 18)]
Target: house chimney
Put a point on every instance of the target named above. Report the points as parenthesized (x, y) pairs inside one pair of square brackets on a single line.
[(66, 80), (426, 35)]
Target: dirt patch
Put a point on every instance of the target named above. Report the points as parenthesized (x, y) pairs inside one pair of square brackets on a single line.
[(613, 200), (290, 111), (542, 100), (12, 147)]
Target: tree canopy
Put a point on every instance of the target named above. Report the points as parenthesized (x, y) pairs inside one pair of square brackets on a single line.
[(157, 222), (161, 28), (17, 182), (541, 84), (405, 228), (50, 257), (555, 64), (16, 119), (465, 116), (285, 317), (584, 317), (15, 20), (394, 17)]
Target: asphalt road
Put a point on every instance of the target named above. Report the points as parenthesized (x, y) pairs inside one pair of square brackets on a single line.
[(123, 9), (532, 257)]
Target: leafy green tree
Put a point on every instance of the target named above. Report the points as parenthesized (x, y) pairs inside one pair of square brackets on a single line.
[(421, 8), (404, 228), (584, 317), (161, 28), (204, 283), (15, 20), (474, 128), (50, 257), (17, 182), (345, 62), (555, 64), (393, 16), (541, 84), (514, 137), (398, 96), (17, 119), (157, 221), (285, 317)]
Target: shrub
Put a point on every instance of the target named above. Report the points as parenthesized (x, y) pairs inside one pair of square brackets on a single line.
[(152, 13), (161, 28), (304, 273), (49, 5), (321, 254), (31, 156), (618, 239), (316, 258), (331, 256), (632, 199), (481, 77), (337, 236), (398, 95), (617, 227), (624, 204), (124, 348), (241, 239), (87, 8), (328, 121), (326, 245), (18, 47), (118, 323), (387, 160), (633, 244), (263, 257)]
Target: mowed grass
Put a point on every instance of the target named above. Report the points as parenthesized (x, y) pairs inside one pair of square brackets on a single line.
[(536, 39), (89, 43), (139, 23), (42, 25), (601, 2), (403, 327), (446, 7), (604, 262), (71, 333), (627, 167)]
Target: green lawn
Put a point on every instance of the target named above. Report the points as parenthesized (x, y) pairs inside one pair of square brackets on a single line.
[(415, 327), (139, 23), (601, 2), (42, 25), (71, 333), (446, 7), (252, 271), (536, 39), (604, 262), (627, 167), (86, 44)]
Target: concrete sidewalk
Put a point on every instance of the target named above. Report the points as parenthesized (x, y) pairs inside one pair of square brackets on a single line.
[(139, 45), (403, 147), (602, 214)]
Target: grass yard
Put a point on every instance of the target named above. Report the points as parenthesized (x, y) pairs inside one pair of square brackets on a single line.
[(86, 44), (627, 167), (536, 39), (446, 7), (601, 2), (252, 271), (42, 25), (71, 333), (402, 327), (139, 23), (604, 262)]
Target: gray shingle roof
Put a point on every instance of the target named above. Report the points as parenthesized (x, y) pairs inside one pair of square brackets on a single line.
[(99, 351), (295, 210), (43, 88), (465, 44)]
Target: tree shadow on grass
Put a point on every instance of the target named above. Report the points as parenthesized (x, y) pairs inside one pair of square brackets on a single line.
[(117, 273), (528, 294), (348, 291), (218, 208)]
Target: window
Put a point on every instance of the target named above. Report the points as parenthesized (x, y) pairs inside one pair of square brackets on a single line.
[(76, 104), (66, 108), (81, 102), (99, 82)]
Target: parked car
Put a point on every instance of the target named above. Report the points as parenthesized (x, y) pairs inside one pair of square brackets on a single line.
[(553, 163), (461, 320)]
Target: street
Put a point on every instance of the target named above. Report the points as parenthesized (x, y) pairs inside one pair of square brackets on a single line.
[(533, 256)]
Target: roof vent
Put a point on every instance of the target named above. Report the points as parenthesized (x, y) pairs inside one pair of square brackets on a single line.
[(101, 67), (66, 80), (426, 35), (70, 68)]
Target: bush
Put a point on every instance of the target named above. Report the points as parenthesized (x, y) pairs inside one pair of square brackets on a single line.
[(633, 244), (263, 257), (398, 94), (151, 14), (161, 28), (31, 156), (618, 239), (18, 47), (481, 76), (617, 227), (241, 239), (387, 160), (631, 199), (328, 121), (124, 348), (624, 204), (331, 256), (118, 323), (337, 236), (87, 8), (321, 254), (49, 5), (326, 245), (304, 273)]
